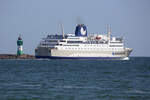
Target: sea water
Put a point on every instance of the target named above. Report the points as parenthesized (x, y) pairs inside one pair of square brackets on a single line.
[(75, 79)]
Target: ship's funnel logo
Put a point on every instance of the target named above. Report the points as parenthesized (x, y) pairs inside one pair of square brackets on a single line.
[(83, 32)]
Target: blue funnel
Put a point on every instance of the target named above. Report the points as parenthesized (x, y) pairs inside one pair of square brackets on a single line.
[(81, 30)]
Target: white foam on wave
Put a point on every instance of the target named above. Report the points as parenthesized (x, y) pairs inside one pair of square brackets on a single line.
[(126, 58), (78, 87), (138, 91)]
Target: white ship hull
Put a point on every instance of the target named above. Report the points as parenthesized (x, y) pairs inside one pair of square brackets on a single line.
[(74, 54)]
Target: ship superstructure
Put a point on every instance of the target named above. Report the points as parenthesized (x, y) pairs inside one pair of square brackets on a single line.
[(82, 46)]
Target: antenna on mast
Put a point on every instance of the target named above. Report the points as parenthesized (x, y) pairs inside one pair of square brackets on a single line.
[(62, 28), (108, 31)]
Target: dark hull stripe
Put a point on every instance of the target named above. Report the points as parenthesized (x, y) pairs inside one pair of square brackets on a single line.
[(55, 57)]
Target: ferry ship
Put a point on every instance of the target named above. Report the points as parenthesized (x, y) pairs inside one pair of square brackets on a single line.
[(82, 46)]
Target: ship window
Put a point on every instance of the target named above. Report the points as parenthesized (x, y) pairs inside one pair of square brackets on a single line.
[(115, 45), (62, 41), (74, 41), (52, 40)]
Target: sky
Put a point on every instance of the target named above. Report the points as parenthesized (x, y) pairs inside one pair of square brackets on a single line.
[(35, 19)]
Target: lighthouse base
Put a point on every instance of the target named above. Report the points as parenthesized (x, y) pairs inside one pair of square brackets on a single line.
[(19, 52)]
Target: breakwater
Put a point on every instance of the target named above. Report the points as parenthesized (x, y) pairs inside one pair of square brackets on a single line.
[(14, 56)]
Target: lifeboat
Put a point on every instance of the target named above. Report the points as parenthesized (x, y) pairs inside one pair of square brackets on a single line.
[(98, 37)]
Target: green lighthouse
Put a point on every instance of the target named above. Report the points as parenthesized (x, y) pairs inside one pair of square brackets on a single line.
[(20, 46)]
